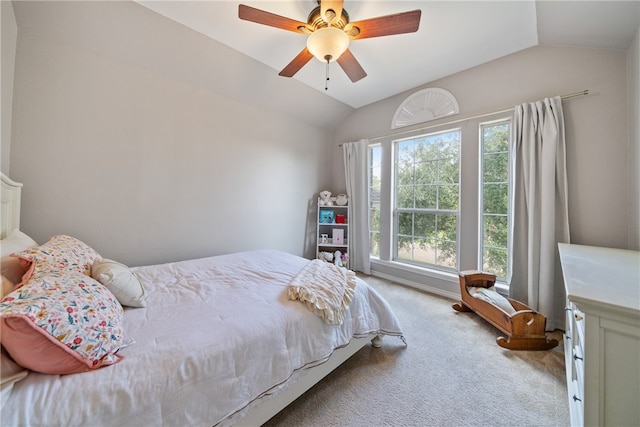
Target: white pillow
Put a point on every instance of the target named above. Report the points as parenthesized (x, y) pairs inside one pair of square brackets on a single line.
[(492, 297), (10, 373), (7, 287), (121, 281), (15, 242)]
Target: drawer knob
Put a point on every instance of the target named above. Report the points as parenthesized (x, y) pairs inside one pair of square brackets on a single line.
[(576, 398), (576, 357), (578, 317)]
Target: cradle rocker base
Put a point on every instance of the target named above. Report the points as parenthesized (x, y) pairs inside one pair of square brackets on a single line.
[(524, 329)]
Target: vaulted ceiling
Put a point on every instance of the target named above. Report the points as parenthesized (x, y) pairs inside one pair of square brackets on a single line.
[(453, 36), (205, 44)]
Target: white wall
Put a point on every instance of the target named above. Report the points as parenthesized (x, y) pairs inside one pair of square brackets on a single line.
[(633, 81), (9, 34), (596, 126), (146, 166)]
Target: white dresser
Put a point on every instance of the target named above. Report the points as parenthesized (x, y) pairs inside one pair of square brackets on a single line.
[(602, 339)]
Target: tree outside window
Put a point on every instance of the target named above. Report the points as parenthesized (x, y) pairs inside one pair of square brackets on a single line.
[(427, 199), (375, 179), (420, 217), (495, 198)]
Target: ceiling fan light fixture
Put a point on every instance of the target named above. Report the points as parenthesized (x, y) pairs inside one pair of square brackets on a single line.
[(328, 43)]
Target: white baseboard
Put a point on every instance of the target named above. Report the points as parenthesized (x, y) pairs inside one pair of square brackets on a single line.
[(417, 285)]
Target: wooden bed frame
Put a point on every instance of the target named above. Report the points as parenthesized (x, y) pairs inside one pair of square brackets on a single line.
[(524, 329), (268, 406)]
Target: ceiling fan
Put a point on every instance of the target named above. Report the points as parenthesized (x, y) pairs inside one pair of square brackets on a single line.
[(330, 31)]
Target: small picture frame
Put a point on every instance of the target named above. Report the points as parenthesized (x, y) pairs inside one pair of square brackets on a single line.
[(327, 216), (338, 236)]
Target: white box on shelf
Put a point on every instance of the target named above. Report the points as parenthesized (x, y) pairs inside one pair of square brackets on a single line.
[(338, 236)]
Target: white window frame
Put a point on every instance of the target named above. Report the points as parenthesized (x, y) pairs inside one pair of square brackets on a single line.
[(468, 231), (435, 211), (481, 125)]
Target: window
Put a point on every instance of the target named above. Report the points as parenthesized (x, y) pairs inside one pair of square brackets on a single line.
[(494, 141), (375, 179), (439, 201), (427, 197)]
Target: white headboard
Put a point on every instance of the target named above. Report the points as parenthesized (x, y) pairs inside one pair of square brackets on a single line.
[(10, 194)]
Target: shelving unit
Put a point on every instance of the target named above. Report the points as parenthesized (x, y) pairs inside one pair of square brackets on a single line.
[(327, 226)]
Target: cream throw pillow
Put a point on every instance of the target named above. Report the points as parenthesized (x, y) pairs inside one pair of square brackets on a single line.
[(15, 242), (7, 287), (10, 373), (121, 281)]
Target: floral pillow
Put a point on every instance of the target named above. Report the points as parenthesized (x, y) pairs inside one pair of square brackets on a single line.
[(61, 252), (61, 322)]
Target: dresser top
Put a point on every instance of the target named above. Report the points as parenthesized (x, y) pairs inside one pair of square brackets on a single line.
[(601, 276)]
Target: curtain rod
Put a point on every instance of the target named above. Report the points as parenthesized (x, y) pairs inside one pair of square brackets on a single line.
[(478, 116)]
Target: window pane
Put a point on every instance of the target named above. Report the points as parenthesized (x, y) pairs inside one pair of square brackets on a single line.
[(375, 235), (495, 230), (495, 137), (405, 153), (405, 197), (447, 227), (447, 254), (424, 225), (495, 198), (405, 224), (405, 174), (375, 180), (427, 199), (495, 261), (426, 171), (448, 197), (449, 171), (495, 167), (424, 251), (404, 249), (449, 145)]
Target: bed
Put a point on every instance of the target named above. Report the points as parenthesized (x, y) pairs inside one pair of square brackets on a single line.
[(218, 341)]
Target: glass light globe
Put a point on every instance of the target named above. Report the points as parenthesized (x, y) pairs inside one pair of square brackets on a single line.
[(328, 43)]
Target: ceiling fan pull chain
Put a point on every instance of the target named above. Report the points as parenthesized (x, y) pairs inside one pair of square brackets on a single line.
[(326, 83), (330, 30)]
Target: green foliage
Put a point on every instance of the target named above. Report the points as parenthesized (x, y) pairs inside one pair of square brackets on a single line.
[(427, 198), (375, 230), (495, 198)]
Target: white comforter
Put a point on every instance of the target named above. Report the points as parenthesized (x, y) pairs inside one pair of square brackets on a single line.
[(216, 335)]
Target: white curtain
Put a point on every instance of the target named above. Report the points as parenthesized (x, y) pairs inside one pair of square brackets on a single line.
[(356, 169), (541, 214)]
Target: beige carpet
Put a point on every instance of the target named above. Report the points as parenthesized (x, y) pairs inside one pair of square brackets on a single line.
[(452, 373)]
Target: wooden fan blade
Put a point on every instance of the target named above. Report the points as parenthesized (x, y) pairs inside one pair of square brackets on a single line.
[(252, 14), (399, 23), (351, 66), (297, 63), (328, 5)]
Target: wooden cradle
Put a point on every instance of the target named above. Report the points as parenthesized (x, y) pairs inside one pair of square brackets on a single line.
[(524, 329)]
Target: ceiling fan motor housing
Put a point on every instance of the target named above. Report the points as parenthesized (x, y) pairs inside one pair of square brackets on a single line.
[(316, 22)]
